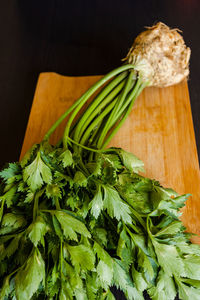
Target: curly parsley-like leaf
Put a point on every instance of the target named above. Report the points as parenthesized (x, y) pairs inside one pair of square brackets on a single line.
[(37, 173), (124, 249), (13, 220), (105, 274), (9, 174), (80, 179), (101, 235), (123, 281), (173, 228), (82, 257), (105, 266), (102, 254), (9, 196), (192, 266), (11, 223), (92, 286), (114, 205), (28, 278), (187, 292), (53, 191), (37, 231), (130, 161), (169, 258), (71, 225), (164, 288), (139, 280), (96, 205), (66, 158)]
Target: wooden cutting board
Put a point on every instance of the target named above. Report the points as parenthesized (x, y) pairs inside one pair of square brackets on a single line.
[(159, 131)]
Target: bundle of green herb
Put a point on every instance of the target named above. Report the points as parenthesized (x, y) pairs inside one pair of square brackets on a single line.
[(77, 218)]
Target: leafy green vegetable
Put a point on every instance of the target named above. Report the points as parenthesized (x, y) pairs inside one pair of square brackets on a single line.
[(37, 231), (66, 158), (130, 161), (9, 174), (187, 292), (82, 256), (76, 218), (65, 228), (115, 206), (37, 173), (96, 204), (71, 225), (124, 282), (80, 179), (30, 276), (164, 289)]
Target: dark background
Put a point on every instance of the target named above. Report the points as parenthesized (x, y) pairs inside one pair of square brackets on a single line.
[(77, 38)]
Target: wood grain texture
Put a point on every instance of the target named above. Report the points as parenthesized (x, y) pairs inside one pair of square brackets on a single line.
[(159, 131)]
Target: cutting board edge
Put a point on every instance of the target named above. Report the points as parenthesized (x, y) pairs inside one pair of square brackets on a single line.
[(68, 76)]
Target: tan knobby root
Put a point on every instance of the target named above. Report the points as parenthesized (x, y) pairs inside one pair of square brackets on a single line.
[(160, 56)]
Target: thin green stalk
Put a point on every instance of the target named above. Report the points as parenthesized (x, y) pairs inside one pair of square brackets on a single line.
[(138, 217), (36, 201), (104, 113), (61, 262), (91, 150), (82, 167), (91, 91), (148, 229), (57, 203), (2, 208), (61, 256), (128, 88), (96, 104), (120, 101), (84, 147), (133, 94), (124, 117), (94, 133), (135, 228), (93, 139), (98, 109), (100, 127), (126, 103), (35, 208), (116, 117)]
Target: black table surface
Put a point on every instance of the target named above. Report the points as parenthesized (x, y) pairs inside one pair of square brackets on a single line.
[(78, 38)]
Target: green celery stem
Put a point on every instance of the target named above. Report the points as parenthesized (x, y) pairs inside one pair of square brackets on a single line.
[(99, 102), (104, 112), (117, 106), (132, 94), (91, 91), (124, 117)]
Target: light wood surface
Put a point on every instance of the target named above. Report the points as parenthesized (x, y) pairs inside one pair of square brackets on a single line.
[(159, 131)]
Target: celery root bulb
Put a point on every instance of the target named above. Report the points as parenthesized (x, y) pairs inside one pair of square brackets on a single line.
[(160, 55)]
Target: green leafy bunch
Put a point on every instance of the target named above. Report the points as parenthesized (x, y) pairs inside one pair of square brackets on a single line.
[(77, 218), (67, 233)]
